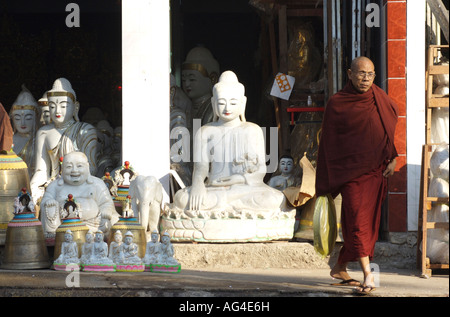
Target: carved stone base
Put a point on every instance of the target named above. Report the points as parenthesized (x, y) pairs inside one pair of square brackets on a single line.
[(130, 267), (229, 229), (161, 268)]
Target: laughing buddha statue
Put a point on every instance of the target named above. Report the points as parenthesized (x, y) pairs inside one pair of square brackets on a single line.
[(93, 198)]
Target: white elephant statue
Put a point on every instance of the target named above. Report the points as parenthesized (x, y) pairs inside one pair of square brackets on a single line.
[(146, 201)]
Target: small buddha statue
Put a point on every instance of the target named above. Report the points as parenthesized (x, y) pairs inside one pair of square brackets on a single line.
[(166, 254), (229, 162), (24, 115), (44, 117), (200, 72), (69, 250), (286, 178), (115, 246), (100, 252), (129, 250), (23, 203), (63, 135), (153, 249), (93, 198), (87, 250)]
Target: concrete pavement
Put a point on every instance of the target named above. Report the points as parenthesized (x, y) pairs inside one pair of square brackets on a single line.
[(266, 270), (213, 283)]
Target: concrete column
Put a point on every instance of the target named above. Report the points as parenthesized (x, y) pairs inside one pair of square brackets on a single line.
[(146, 87), (415, 109)]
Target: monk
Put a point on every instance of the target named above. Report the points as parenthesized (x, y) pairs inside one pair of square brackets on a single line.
[(356, 156)]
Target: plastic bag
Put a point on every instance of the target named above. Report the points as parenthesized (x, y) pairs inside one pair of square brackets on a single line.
[(325, 225)]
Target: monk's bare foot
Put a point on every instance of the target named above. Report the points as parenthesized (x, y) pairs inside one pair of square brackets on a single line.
[(340, 272), (367, 287)]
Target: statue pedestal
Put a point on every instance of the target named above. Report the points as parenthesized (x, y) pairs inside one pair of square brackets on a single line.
[(130, 267), (98, 267), (230, 229), (161, 268)]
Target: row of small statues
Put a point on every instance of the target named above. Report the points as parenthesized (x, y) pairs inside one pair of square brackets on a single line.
[(121, 253)]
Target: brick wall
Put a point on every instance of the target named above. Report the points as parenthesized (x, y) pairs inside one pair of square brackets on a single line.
[(396, 88)]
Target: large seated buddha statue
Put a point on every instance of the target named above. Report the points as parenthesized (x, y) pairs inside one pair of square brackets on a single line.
[(228, 200), (63, 135)]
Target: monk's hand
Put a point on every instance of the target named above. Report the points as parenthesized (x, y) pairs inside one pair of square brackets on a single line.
[(198, 194), (389, 171)]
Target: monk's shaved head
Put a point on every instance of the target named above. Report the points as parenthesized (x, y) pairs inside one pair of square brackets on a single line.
[(360, 60)]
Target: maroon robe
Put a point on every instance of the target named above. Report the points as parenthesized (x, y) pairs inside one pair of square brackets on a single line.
[(356, 143)]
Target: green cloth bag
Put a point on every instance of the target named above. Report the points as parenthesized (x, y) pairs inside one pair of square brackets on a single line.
[(324, 225)]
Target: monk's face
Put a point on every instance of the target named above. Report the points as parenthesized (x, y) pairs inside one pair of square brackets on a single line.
[(362, 75)]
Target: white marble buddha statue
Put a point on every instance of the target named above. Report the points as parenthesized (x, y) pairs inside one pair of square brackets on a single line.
[(87, 250), (153, 248), (129, 250), (166, 254), (44, 117), (69, 250), (100, 252), (90, 193), (229, 163), (200, 72), (114, 247), (63, 135), (24, 115)]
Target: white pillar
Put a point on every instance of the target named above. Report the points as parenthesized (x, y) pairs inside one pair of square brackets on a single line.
[(415, 103), (146, 87)]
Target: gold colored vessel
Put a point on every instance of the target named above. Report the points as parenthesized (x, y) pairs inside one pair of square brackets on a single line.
[(25, 244), (131, 224), (79, 230), (13, 177)]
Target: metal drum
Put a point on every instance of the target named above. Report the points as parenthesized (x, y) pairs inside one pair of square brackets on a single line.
[(79, 230), (131, 224), (25, 244), (13, 177)]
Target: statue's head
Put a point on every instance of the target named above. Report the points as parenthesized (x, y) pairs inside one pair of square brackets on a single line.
[(75, 168), (128, 237), (154, 236), (68, 236), (62, 102), (24, 113), (199, 73), (89, 236), (99, 236), (228, 98), (44, 118), (118, 236), (286, 164)]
